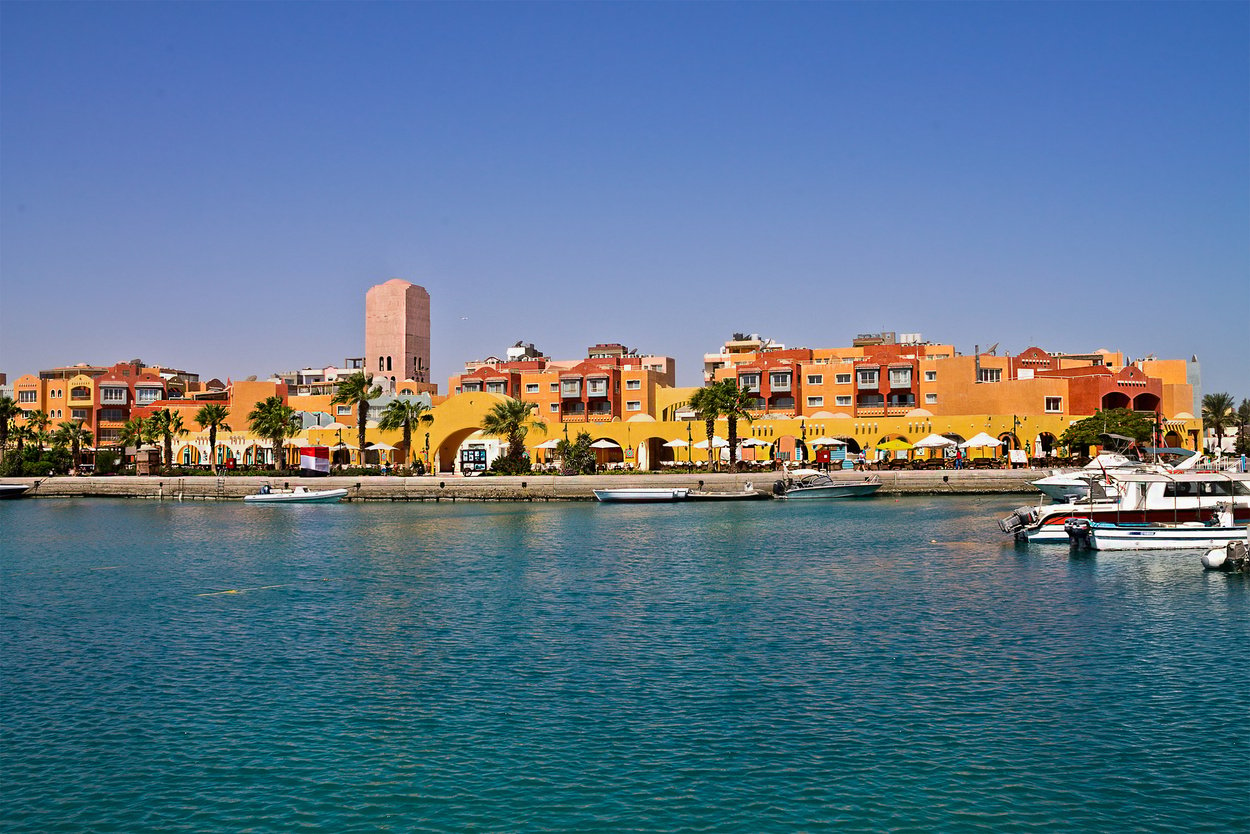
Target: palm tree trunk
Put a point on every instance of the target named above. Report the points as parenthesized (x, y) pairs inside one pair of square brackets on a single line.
[(212, 448), (733, 443), (408, 443), (362, 415), (710, 427)]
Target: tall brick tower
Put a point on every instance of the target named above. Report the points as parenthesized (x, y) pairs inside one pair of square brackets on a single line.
[(397, 333)]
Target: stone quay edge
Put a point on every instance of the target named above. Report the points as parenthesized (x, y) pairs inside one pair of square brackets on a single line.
[(510, 488)]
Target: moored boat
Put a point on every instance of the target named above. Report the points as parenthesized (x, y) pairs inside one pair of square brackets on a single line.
[(747, 493), (641, 494), (1190, 535), (1139, 498), (298, 495), (810, 484), (13, 490)]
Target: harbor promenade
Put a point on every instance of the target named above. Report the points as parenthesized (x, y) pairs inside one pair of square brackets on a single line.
[(518, 488)]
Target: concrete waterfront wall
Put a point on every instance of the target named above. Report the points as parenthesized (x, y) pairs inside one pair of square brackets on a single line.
[(520, 488)]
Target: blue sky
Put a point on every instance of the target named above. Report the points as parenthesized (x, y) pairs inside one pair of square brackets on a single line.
[(214, 186)]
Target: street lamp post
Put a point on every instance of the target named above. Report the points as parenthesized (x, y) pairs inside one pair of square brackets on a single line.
[(689, 448)]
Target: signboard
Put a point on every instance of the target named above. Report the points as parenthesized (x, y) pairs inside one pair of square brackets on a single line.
[(1018, 456), (314, 461), (473, 458)]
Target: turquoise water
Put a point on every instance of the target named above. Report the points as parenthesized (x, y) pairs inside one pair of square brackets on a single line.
[(873, 665)]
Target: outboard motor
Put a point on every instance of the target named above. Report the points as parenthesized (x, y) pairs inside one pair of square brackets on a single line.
[(1079, 532), (779, 487), (1232, 558), (1018, 520)]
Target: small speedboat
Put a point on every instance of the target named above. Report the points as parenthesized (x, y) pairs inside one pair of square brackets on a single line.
[(808, 483), (1188, 535), (13, 490), (641, 494), (299, 495), (747, 493)]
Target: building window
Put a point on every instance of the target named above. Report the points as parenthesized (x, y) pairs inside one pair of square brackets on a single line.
[(555, 388), (633, 384), (1054, 405), (381, 364), (930, 399), (555, 408), (26, 396), (990, 375), (344, 411), (783, 402), (78, 413), (930, 376), (779, 382), (842, 379), (844, 400), (815, 402), (596, 387), (495, 388), (531, 387), (113, 415), (471, 387), (749, 382), (147, 395), (633, 405), (113, 395), (570, 388), (81, 392), (867, 379), (388, 363), (815, 379), (900, 377)]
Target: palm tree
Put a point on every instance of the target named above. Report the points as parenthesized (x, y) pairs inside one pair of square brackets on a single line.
[(71, 434), (357, 390), (275, 421), (8, 412), (708, 404), (1217, 413), (38, 421), (213, 417), (736, 405), (510, 420), (404, 414), (133, 433), (163, 426)]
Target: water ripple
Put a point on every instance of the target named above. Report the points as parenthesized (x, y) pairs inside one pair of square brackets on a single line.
[(882, 665)]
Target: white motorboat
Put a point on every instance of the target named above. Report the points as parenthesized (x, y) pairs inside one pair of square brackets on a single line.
[(1138, 498), (1076, 485), (810, 484), (641, 494), (298, 495), (1189, 535), (13, 490)]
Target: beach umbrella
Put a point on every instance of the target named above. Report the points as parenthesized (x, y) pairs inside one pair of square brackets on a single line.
[(718, 442), (604, 443), (380, 447), (934, 441), (895, 445), (981, 441), (826, 441), (548, 444), (676, 444), (754, 441)]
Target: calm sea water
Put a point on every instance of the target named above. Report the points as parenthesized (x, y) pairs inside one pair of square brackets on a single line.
[(874, 665)]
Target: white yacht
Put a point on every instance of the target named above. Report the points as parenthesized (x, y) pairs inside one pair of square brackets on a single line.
[(1138, 498)]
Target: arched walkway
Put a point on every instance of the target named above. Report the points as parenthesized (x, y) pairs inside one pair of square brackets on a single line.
[(1146, 402), (1115, 399)]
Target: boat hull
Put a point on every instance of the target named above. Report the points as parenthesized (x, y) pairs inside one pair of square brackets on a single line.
[(12, 490), (745, 495), (1163, 538), (641, 495), (1051, 530), (829, 492)]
